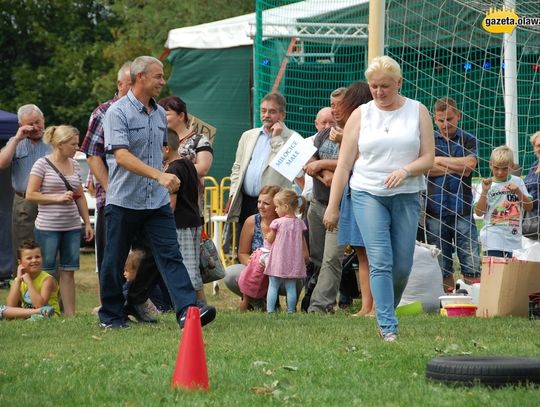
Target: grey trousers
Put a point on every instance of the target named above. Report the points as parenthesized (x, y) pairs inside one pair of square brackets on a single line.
[(327, 257), (23, 218)]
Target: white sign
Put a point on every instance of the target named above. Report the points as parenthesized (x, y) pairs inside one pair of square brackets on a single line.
[(292, 157)]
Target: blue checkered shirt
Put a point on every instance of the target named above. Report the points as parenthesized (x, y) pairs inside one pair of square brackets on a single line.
[(449, 194), (129, 125), (93, 143)]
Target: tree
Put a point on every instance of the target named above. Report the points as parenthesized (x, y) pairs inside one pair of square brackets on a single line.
[(63, 55), (53, 53)]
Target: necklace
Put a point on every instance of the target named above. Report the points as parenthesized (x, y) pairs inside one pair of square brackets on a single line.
[(386, 122)]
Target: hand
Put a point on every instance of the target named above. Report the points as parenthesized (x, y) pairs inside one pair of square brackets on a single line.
[(326, 176), (26, 278), (395, 178), (20, 271), (513, 188), (336, 134), (88, 232), (23, 132), (277, 129), (312, 168), (330, 218), (65, 198), (486, 184), (169, 181)]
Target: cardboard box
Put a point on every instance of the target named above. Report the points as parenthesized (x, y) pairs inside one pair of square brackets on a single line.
[(505, 286)]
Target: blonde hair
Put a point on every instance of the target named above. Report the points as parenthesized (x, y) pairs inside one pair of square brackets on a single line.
[(55, 135), (502, 154), (290, 198), (534, 137), (384, 65)]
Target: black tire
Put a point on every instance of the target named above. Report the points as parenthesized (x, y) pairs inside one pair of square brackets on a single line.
[(492, 371)]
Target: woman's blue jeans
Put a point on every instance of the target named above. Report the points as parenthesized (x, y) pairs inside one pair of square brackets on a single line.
[(388, 225)]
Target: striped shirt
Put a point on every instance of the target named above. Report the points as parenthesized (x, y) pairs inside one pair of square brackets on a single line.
[(93, 143), (26, 154), (57, 217), (129, 125)]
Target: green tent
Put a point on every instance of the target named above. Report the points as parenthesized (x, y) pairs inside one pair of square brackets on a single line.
[(212, 70)]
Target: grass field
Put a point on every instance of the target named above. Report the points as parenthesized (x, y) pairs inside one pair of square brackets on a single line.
[(253, 359)]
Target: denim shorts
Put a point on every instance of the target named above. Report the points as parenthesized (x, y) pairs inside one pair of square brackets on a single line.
[(65, 246)]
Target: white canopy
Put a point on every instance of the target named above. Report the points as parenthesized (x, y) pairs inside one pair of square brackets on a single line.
[(239, 31)]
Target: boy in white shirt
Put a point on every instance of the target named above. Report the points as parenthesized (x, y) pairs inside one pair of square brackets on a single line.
[(503, 199)]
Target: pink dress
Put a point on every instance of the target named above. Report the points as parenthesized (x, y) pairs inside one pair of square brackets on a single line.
[(252, 280), (286, 258)]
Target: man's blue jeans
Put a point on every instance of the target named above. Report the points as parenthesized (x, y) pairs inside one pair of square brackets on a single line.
[(459, 231), (159, 227), (388, 225)]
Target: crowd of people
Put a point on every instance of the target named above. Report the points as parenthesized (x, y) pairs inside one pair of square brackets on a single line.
[(365, 187)]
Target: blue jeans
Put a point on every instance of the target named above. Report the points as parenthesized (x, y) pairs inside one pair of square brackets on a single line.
[(64, 245), (273, 291), (158, 225), (460, 231), (388, 225)]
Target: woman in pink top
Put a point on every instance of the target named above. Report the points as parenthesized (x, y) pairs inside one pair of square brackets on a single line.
[(288, 255), (55, 185)]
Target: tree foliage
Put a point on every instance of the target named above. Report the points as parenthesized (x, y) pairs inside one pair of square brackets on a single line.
[(63, 55)]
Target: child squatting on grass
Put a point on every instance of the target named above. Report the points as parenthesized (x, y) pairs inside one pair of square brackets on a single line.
[(503, 199), (33, 293), (289, 253)]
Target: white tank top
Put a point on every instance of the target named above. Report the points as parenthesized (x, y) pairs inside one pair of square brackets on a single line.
[(388, 140)]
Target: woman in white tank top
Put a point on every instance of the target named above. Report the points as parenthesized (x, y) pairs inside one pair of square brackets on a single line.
[(389, 144)]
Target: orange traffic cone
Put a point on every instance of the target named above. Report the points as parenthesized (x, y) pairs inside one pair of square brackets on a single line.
[(190, 372)]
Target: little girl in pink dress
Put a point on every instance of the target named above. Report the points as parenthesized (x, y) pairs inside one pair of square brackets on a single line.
[(288, 255)]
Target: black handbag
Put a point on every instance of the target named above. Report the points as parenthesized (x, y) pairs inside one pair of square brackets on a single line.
[(66, 182)]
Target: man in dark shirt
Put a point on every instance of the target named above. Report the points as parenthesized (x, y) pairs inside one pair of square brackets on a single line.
[(449, 216)]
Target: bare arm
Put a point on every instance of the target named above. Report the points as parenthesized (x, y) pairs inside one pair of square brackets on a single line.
[(7, 153), (132, 163), (33, 193), (306, 250), (204, 162), (173, 198), (427, 145), (246, 236), (347, 156), (39, 298), (316, 166), (481, 206), (82, 206), (98, 168), (270, 236)]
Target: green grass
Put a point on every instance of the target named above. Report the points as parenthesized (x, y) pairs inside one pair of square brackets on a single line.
[(253, 359)]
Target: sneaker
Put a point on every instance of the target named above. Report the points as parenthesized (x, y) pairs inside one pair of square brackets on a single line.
[(145, 312), (388, 336), (207, 315), (46, 311), (114, 326)]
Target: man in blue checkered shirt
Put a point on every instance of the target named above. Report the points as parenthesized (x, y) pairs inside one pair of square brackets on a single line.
[(135, 129), (449, 216), (93, 147)]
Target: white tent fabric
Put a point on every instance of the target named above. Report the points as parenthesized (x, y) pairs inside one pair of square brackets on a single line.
[(239, 31)]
